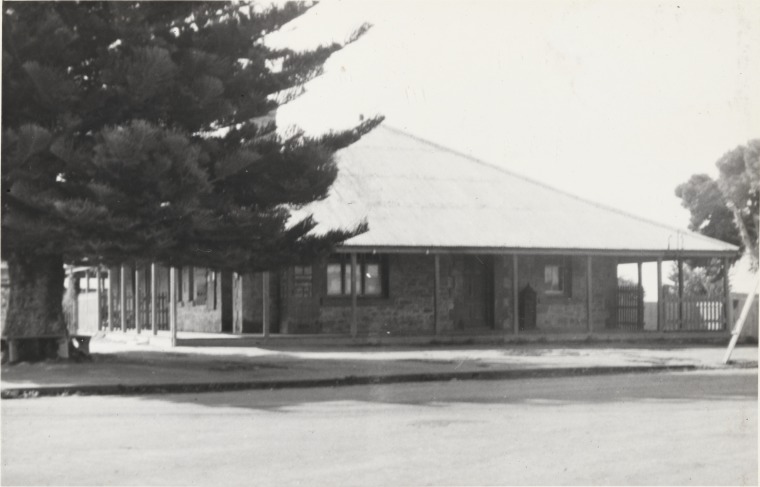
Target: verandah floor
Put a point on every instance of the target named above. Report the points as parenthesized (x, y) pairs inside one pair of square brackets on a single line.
[(483, 337)]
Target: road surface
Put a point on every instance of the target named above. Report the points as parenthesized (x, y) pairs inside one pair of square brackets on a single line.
[(686, 428)]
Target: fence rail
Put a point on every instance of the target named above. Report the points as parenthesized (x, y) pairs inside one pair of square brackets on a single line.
[(693, 313), (162, 312)]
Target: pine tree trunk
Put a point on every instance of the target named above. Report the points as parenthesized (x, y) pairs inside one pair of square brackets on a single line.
[(35, 296)]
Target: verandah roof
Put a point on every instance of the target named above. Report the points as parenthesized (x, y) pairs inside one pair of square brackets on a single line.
[(415, 194)]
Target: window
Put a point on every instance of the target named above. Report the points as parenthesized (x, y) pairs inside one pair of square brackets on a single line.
[(557, 279), (553, 281), (371, 273), (302, 281)]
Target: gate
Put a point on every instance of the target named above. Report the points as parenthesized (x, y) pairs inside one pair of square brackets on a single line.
[(630, 307)]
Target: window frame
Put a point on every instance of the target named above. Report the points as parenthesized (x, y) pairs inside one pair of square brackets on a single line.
[(362, 261), (303, 276), (564, 275)]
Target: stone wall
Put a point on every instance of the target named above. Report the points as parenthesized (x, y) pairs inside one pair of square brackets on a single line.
[(408, 308), (566, 311), (197, 318)]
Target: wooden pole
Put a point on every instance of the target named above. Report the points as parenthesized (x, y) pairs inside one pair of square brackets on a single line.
[(111, 283), (639, 298), (659, 295), (123, 298), (354, 324), (136, 299), (98, 295), (680, 294), (737, 331), (728, 304), (437, 294), (515, 296), (265, 303), (589, 297), (72, 292), (153, 299), (173, 304)]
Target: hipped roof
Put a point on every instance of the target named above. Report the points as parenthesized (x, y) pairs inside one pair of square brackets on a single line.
[(415, 194)]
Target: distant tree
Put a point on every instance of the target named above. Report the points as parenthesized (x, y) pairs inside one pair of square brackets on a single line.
[(142, 131), (727, 208), (702, 280)]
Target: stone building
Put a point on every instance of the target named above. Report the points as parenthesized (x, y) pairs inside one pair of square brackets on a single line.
[(455, 247)]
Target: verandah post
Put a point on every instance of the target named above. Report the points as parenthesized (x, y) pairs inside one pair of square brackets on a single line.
[(680, 294), (589, 296), (153, 300), (173, 304), (123, 298), (98, 294), (354, 326), (515, 296), (111, 283), (265, 303), (436, 293), (136, 298), (660, 302), (75, 300), (639, 298)]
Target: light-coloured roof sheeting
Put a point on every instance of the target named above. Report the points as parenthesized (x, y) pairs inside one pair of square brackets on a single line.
[(414, 193)]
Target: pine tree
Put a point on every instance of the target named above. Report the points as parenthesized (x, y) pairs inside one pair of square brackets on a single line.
[(142, 131)]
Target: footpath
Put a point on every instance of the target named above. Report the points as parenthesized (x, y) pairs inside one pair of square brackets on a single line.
[(123, 367)]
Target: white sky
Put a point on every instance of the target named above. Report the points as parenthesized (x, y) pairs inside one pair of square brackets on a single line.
[(617, 101)]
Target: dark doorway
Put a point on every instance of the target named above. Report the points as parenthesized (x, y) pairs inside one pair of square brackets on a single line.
[(527, 308), (226, 302), (473, 292)]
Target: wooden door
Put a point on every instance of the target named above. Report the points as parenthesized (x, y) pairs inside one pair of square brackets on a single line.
[(473, 292), (300, 314)]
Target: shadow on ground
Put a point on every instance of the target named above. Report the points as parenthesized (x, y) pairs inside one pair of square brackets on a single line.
[(625, 388)]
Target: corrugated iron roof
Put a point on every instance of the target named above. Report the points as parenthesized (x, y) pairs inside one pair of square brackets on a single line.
[(414, 193)]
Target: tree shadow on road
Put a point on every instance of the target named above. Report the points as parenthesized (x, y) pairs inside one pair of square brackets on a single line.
[(682, 387)]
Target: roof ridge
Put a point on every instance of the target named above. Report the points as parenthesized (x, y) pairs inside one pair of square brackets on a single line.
[(552, 188)]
